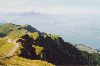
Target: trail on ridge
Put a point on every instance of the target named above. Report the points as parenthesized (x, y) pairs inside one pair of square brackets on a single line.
[(14, 49)]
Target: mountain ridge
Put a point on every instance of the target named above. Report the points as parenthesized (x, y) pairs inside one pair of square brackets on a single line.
[(36, 45)]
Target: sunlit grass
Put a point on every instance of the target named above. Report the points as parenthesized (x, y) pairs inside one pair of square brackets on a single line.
[(34, 35), (19, 61), (5, 48), (17, 34), (38, 49)]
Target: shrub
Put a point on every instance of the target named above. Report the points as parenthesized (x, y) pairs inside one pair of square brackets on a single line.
[(34, 35), (38, 49)]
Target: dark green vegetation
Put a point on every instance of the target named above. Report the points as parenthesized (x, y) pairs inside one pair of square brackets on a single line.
[(46, 47), (92, 58)]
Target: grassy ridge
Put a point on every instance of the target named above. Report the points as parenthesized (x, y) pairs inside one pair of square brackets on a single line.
[(16, 32), (7, 28), (40, 46)]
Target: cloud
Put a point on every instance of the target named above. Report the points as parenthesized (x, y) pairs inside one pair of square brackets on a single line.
[(14, 6), (50, 6)]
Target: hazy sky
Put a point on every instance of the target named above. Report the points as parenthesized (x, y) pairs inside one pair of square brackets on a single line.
[(51, 6), (77, 21)]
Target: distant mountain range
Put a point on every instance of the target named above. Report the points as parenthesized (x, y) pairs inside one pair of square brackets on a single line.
[(23, 45), (82, 47), (85, 48)]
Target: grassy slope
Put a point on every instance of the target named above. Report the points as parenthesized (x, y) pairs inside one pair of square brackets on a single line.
[(19, 61), (5, 47), (13, 32), (7, 28)]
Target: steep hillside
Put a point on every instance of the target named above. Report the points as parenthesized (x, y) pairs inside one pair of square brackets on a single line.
[(9, 48), (25, 45), (51, 48), (29, 28)]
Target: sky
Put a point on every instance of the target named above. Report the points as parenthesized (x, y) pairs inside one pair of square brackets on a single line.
[(76, 21)]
